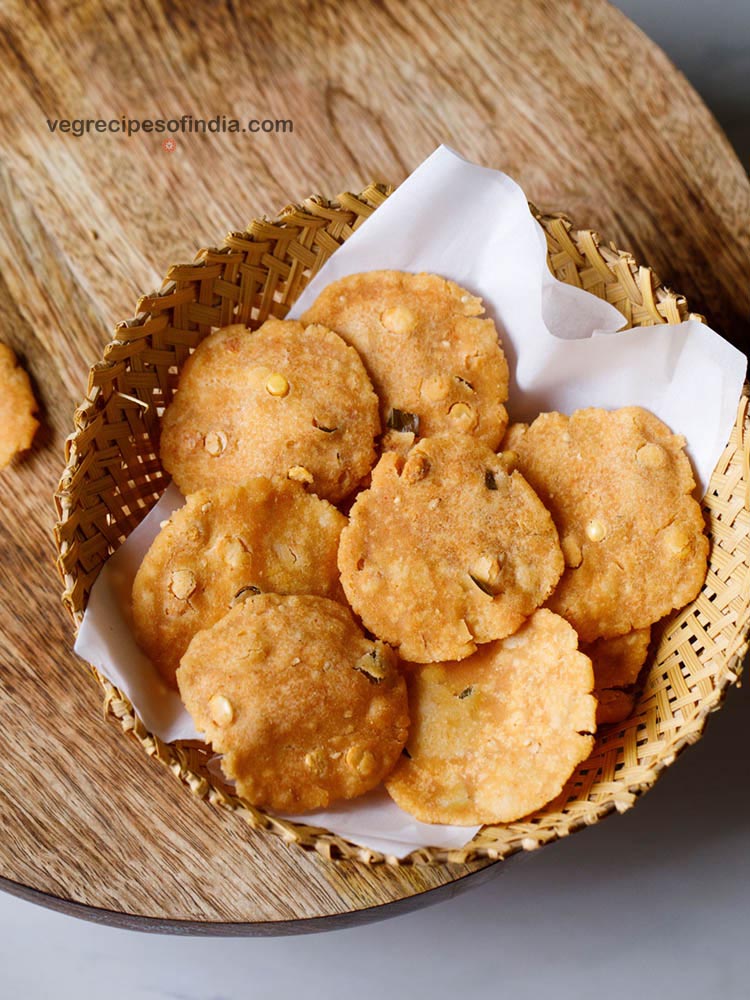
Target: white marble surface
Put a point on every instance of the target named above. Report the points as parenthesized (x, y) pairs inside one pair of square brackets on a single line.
[(657, 900)]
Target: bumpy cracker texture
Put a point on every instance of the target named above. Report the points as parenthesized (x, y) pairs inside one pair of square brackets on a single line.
[(17, 408), (427, 348), (305, 709), (271, 536), (495, 737), (284, 400), (445, 550), (619, 486)]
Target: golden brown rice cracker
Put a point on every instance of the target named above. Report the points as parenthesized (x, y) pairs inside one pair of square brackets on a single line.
[(495, 737), (17, 408), (617, 662), (286, 400), (262, 536), (446, 550), (619, 486), (434, 359), (303, 707), (613, 705)]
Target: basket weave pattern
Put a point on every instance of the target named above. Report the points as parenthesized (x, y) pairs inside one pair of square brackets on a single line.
[(113, 477)]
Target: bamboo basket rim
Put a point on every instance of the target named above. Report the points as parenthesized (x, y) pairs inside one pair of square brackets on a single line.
[(107, 487)]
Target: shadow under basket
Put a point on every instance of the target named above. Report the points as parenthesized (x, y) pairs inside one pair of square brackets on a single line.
[(113, 477)]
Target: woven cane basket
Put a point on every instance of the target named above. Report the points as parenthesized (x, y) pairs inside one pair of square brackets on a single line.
[(113, 477)]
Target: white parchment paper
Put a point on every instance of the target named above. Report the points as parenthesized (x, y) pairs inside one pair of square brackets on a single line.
[(470, 224), (473, 225)]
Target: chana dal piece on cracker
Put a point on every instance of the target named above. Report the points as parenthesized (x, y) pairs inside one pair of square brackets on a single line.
[(264, 536), (304, 708), (434, 358), (446, 550), (287, 399), (17, 408), (496, 736), (619, 486)]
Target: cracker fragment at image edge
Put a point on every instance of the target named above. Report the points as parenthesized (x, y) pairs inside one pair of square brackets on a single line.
[(18, 425)]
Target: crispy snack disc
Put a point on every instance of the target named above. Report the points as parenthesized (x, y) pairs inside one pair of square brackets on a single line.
[(285, 400), (445, 550), (495, 737), (303, 707), (264, 536), (617, 663), (619, 486), (17, 408), (436, 364), (613, 705)]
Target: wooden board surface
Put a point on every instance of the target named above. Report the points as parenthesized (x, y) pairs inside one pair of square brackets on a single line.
[(571, 99)]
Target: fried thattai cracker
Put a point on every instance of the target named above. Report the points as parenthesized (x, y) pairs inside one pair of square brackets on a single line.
[(285, 400), (269, 537), (495, 737), (17, 408), (434, 359), (617, 662), (303, 707), (614, 706), (619, 486), (445, 550)]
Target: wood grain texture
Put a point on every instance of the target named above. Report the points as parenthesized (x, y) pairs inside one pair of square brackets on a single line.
[(571, 99)]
